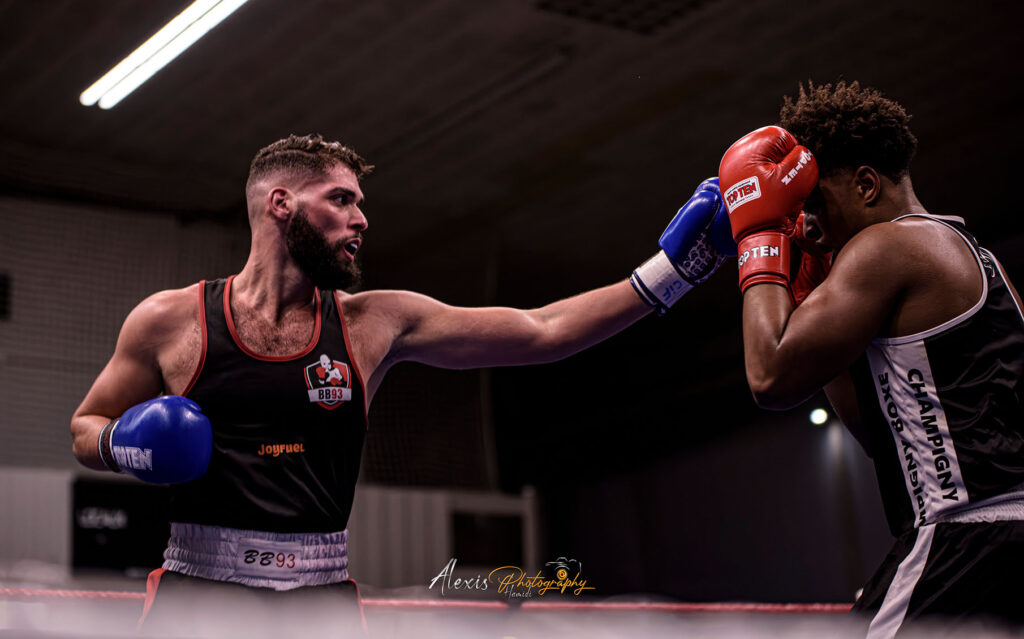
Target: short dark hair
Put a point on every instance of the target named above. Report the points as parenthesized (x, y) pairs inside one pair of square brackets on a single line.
[(847, 126), (305, 154)]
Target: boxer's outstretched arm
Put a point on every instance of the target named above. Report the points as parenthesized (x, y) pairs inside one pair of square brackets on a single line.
[(418, 328), (790, 354), (133, 373), (433, 333)]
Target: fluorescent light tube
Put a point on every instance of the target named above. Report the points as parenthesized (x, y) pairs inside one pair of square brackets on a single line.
[(159, 39), (165, 45)]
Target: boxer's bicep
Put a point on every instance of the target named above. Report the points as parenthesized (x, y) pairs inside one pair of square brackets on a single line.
[(841, 317), (458, 337), (446, 336), (131, 376), (831, 328)]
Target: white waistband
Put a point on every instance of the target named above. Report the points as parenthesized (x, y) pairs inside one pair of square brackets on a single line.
[(282, 561), (1008, 506)]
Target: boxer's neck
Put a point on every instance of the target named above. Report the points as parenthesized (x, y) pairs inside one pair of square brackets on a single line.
[(272, 285), (898, 199)]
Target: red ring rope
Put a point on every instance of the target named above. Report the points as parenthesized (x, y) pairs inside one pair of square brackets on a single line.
[(786, 608)]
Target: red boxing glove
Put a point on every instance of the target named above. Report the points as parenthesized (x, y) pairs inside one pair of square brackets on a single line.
[(765, 177), (814, 265)]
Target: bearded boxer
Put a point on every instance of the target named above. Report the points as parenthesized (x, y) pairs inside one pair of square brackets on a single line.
[(267, 375), (915, 333)]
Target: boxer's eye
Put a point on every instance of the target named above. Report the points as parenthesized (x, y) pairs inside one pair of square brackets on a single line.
[(343, 197)]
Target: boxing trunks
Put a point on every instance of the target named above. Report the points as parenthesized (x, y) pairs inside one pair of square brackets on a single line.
[(943, 420)]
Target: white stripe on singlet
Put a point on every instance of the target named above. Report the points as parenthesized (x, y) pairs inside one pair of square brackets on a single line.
[(281, 561)]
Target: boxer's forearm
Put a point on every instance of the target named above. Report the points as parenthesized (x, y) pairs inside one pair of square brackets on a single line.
[(573, 324), (461, 338), (774, 380), (85, 430)]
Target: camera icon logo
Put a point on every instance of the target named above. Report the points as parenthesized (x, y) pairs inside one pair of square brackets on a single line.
[(563, 568)]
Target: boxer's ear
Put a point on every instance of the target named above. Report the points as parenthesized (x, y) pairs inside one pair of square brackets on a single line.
[(280, 203), (868, 184)]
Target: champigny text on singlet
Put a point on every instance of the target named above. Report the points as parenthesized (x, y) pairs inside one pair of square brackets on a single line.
[(942, 409)]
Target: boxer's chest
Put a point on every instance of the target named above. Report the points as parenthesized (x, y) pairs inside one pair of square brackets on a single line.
[(275, 339)]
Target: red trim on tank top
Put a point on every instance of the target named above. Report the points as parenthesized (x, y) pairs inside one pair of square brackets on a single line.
[(230, 321), (352, 359), (202, 328)]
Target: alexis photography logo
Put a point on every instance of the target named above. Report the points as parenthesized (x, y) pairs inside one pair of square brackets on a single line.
[(562, 576)]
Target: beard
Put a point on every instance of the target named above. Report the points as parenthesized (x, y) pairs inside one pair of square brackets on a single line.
[(318, 258)]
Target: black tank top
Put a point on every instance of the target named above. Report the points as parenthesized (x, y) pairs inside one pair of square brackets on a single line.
[(943, 409), (288, 431)]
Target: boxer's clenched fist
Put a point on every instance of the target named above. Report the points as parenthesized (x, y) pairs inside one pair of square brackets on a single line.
[(694, 245), (166, 440), (765, 178)]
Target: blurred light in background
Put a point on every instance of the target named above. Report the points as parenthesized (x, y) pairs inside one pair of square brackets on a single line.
[(819, 416), (165, 45)]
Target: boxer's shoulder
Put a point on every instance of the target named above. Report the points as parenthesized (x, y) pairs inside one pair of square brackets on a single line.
[(875, 251), (167, 312), (922, 246), (376, 319), (164, 329), (381, 320), (924, 269), (883, 261), (910, 243)]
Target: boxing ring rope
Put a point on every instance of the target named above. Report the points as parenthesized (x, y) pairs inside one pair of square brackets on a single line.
[(556, 606)]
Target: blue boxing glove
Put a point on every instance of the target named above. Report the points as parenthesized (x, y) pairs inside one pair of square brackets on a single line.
[(695, 243), (166, 440)]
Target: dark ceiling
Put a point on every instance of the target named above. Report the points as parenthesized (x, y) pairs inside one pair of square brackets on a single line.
[(528, 148), (484, 109)]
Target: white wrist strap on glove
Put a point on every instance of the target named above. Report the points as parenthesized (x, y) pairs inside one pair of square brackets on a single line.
[(659, 283)]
